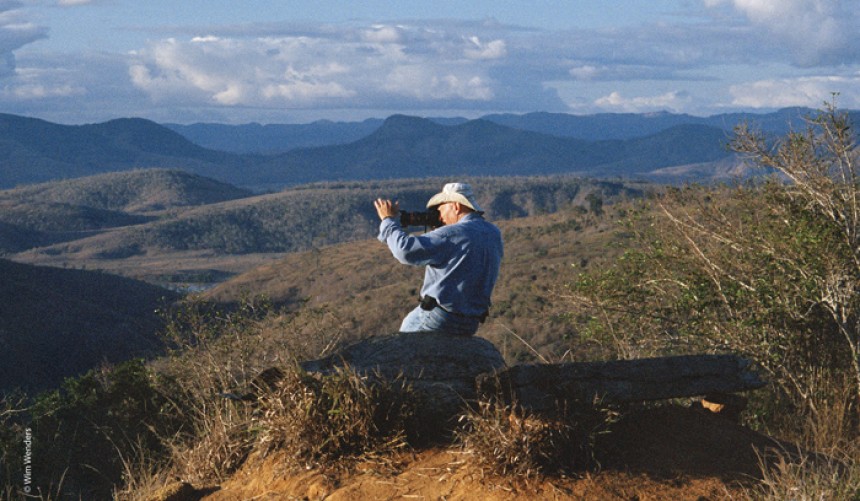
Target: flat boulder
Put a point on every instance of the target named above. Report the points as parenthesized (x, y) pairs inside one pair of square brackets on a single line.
[(440, 368)]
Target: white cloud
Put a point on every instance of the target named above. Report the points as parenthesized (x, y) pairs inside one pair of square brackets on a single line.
[(37, 91), (672, 101), (382, 34), (817, 32), (279, 69), (15, 32), (426, 84), (492, 50), (205, 39), (373, 65), (586, 72), (804, 91), (72, 3)]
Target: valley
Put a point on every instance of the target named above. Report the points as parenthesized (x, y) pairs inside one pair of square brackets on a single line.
[(314, 246)]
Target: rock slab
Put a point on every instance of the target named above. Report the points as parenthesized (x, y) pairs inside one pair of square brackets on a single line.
[(441, 368)]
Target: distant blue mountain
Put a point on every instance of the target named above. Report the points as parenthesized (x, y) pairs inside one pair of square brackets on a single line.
[(415, 147), (274, 138), (33, 150), (280, 138), (626, 145), (631, 125)]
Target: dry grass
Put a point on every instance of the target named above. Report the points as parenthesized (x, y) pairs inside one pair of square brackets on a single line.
[(826, 462), (218, 447), (329, 421), (807, 476), (505, 440), (143, 474), (216, 352)]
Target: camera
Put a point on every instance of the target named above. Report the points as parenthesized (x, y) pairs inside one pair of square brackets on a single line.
[(429, 218)]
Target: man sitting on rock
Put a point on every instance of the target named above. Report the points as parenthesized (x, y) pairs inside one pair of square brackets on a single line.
[(462, 260)]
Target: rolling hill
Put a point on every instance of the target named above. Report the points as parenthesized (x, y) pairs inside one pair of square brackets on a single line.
[(47, 213), (58, 323), (209, 239), (35, 151), (134, 191)]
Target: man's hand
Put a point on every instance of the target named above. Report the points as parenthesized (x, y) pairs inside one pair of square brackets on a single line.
[(386, 208)]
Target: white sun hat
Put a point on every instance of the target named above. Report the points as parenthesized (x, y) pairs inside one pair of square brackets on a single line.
[(456, 192)]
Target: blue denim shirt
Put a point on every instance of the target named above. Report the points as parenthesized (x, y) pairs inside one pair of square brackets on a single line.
[(462, 260)]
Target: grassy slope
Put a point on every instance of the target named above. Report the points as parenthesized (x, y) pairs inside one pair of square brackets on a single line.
[(57, 323), (369, 292)]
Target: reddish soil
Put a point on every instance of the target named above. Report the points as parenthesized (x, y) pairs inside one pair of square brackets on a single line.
[(651, 454)]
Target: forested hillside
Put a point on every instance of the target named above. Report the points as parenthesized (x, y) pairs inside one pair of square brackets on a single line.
[(59, 211), (142, 190)]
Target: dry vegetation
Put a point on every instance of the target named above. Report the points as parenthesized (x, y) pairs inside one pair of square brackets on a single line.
[(505, 440), (768, 270)]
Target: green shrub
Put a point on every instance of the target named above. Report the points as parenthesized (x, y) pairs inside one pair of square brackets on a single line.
[(85, 432)]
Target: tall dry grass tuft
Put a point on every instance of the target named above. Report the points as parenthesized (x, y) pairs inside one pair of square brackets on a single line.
[(143, 474), (221, 440), (217, 351), (329, 421), (506, 440), (212, 352), (825, 464), (808, 476)]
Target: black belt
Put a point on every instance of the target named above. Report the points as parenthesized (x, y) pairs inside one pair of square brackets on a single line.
[(429, 303)]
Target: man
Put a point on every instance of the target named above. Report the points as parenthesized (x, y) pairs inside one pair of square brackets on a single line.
[(462, 261)]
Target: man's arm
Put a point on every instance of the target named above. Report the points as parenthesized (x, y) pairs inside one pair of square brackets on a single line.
[(406, 248)]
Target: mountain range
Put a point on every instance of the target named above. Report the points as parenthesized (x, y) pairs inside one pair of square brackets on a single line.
[(280, 138), (656, 147)]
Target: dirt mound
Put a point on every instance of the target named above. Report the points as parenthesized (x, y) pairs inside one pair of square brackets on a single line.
[(667, 452)]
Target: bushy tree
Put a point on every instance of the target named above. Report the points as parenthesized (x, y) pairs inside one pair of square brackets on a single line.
[(768, 268), (821, 165)]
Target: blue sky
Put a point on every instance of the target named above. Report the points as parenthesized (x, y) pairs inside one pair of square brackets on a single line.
[(279, 61)]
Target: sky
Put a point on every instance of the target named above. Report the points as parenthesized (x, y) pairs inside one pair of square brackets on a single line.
[(283, 61)]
